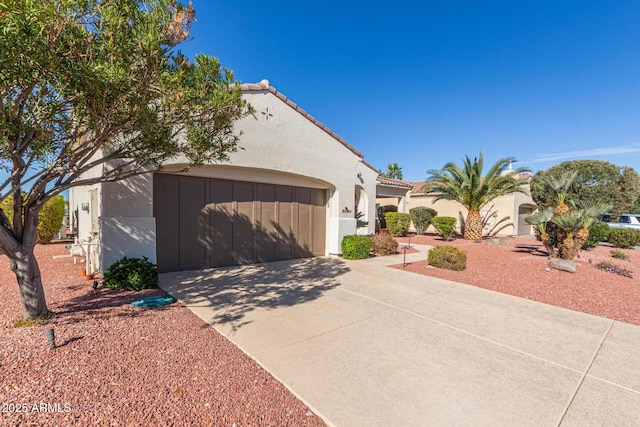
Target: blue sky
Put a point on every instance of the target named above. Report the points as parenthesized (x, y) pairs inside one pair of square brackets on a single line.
[(421, 83)]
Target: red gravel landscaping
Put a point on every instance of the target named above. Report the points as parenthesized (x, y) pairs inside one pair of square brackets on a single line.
[(519, 268), (119, 365)]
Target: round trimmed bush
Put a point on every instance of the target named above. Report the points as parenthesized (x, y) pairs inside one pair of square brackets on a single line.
[(132, 274), (448, 257), (398, 223), (356, 247), (444, 225), (421, 217)]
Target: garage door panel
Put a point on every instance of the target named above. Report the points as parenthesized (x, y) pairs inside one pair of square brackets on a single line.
[(168, 254), (192, 192), (212, 222), (243, 192), (317, 197), (220, 191), (192, 254), (284, 246), (284, 194), (319, 227), (303, 195), (166, 190), (243, 220), (303, 246), (166, 219), (192, 222), (267, 231), (221, 234)]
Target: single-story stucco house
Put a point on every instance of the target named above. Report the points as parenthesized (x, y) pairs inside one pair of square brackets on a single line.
[(292, 191), (508, 210)]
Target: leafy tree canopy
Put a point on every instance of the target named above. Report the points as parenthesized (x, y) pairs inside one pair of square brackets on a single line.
[(94, 85), (595, 181)]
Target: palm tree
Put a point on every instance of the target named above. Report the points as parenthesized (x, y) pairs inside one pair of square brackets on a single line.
[(541, 220), (472, 190), (393, 171), (559, 187)]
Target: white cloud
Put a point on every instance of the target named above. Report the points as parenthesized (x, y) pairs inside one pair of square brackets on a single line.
[(594, 152)]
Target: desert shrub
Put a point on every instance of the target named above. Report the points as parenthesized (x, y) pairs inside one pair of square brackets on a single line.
[(421, 217), (382, 210), (447, 257), (383, 244), (132, 274), (619, 255), (49, 219), (444, 225), (598, 232), (356, 247), (612, 268), (624, 237), (398, 223)]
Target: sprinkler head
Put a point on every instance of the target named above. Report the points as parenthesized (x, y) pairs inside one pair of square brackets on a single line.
[(51, 337)]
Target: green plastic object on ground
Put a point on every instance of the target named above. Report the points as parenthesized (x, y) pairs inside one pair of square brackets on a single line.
[(156, 301)]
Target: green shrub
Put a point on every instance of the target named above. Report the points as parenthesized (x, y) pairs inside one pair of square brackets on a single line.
[(383, 244), (598, 232), (356, 247), (132, 274), (447, 257), (397, 223), (624, 237), (619, 255), (444, 225), (421, 217), (382, 210), (49, 219)]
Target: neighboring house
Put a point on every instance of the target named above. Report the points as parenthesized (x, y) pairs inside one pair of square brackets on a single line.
[(514, 206), (291, 191), (393, 192)]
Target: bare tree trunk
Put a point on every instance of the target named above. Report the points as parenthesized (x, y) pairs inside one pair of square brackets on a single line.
[(27, 270), (23, 262)]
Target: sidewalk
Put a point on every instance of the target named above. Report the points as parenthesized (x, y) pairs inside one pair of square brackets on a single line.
[(366, 345)]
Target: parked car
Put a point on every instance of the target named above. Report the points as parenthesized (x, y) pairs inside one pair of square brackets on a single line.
[(625, 221)]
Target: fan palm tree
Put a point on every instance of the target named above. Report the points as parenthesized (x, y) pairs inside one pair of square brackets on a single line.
[(541, 219), (467, 186), (570, 223), (393, 171)]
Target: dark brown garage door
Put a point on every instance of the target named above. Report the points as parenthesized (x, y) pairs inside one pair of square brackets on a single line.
[(202, 223)]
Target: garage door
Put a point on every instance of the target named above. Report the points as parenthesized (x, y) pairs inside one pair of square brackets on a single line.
[(202, 223)]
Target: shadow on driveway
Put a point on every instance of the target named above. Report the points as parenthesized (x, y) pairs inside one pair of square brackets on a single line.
[(232, 292)]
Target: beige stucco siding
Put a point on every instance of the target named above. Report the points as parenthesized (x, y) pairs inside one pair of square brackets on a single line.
[(282, 146)]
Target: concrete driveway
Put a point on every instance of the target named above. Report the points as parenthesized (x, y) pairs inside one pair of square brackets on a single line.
[(366, 345)]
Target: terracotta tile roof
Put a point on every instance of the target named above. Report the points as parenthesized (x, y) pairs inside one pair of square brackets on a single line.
[(265, 86), (393, 182), (416, 186)]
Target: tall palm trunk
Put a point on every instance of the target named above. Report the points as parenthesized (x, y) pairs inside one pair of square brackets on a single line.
[(473, 225)]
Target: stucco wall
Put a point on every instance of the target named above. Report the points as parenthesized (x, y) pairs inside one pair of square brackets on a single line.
[(281, 146), (501, 207)]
